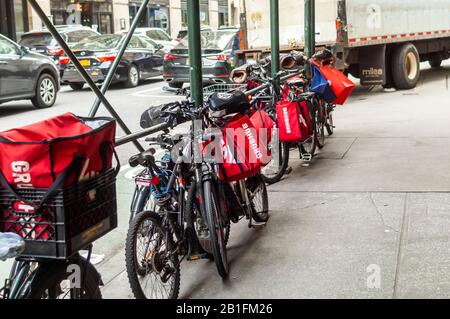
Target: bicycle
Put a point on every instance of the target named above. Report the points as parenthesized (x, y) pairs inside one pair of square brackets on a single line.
[(204, 214), (47, 279), (296, 89)]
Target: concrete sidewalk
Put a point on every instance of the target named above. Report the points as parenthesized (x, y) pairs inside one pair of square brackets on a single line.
[(375, 201)]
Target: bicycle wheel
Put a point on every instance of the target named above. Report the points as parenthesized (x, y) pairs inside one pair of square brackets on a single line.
[(319, 121), (198, 224), (152, 268), (259, 198), (329, 125), (308, 147), (215, 225), (55, 280), (275, 170)]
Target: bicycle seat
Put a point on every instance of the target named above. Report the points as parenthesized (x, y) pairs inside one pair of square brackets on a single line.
[(142, 159), (296, 81), (11, 245), (221, 104)]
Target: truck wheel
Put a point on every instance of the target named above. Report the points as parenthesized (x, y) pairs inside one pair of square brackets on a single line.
[(435, 60), (405, 67)]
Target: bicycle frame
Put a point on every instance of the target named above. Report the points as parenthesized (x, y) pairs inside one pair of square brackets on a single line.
[(18, 278)]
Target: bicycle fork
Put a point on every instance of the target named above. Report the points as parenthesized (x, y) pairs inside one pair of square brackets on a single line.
[(247, 205)]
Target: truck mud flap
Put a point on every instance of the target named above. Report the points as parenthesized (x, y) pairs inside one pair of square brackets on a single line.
[(372, 65)]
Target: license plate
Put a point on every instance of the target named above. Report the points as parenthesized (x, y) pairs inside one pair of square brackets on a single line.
[(188, 62), (85, 62)]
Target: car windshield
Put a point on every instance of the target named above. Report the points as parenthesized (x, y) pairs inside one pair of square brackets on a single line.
[(158, 35), (36, 39), (99, 42), (220, 39)]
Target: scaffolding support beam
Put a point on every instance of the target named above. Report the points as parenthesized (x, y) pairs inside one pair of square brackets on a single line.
[(310, 32), (195, 51), (116, 62), (275, 36), (51, 28)]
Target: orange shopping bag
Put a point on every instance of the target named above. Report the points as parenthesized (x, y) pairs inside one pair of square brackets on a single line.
[(341, 85)]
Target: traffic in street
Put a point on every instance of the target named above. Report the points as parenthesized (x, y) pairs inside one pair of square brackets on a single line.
[(358, 188)]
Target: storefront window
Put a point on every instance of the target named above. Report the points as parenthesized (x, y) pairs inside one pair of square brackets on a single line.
[(156, 16), (3, 19), (13, 18), (95, 14), (223, 13), (204, 12), (19, 18)]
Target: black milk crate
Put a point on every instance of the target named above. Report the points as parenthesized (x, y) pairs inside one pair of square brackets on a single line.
[(70, 221)]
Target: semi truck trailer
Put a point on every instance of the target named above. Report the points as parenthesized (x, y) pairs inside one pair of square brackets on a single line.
[(381, 42)]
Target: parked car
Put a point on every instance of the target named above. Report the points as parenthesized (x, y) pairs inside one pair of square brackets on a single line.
[(216, 58), (143, 59), (43, 42), (183, 32), (27, 75), (158, 35)]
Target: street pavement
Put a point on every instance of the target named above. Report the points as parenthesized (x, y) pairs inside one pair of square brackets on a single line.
[(368, 218)]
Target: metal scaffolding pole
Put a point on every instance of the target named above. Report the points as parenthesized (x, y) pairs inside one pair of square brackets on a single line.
[(310, 33), (81, 70), (195, 51), (115, 64), (275, 36)]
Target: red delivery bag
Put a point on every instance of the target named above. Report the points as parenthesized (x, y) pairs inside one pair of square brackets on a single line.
[(291, 122), (305, 120), (264, 125), (340, 84), (240, 152), (56, 153)]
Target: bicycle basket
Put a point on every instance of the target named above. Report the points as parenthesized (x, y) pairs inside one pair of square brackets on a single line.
[(222, 88), (69, 221)]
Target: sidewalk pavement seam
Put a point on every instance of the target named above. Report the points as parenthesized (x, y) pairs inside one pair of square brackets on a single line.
[(113, 278), (403, 231), (348, 149), (381, 215)]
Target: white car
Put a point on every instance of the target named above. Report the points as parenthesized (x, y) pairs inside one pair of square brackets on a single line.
[(158, 35)]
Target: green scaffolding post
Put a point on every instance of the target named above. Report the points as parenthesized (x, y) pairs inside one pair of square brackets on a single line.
[(195, 51), (275, 36), (310, 28)]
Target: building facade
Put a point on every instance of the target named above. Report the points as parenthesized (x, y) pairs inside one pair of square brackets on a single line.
[(110, 16), (155, 16), (13, 18)]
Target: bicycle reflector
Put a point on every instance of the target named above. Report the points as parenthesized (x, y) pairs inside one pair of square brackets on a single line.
[(155, 180)]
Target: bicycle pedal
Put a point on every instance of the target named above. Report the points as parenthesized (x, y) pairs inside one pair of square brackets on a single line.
[(289, 170), (306, 157)]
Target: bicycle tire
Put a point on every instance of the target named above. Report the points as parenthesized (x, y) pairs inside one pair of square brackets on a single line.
[(50, 276), (214, 221), (309, 147), (319, 121), (259, 214), (330, 124), (284, 162), (132, 263), (192, 209)]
